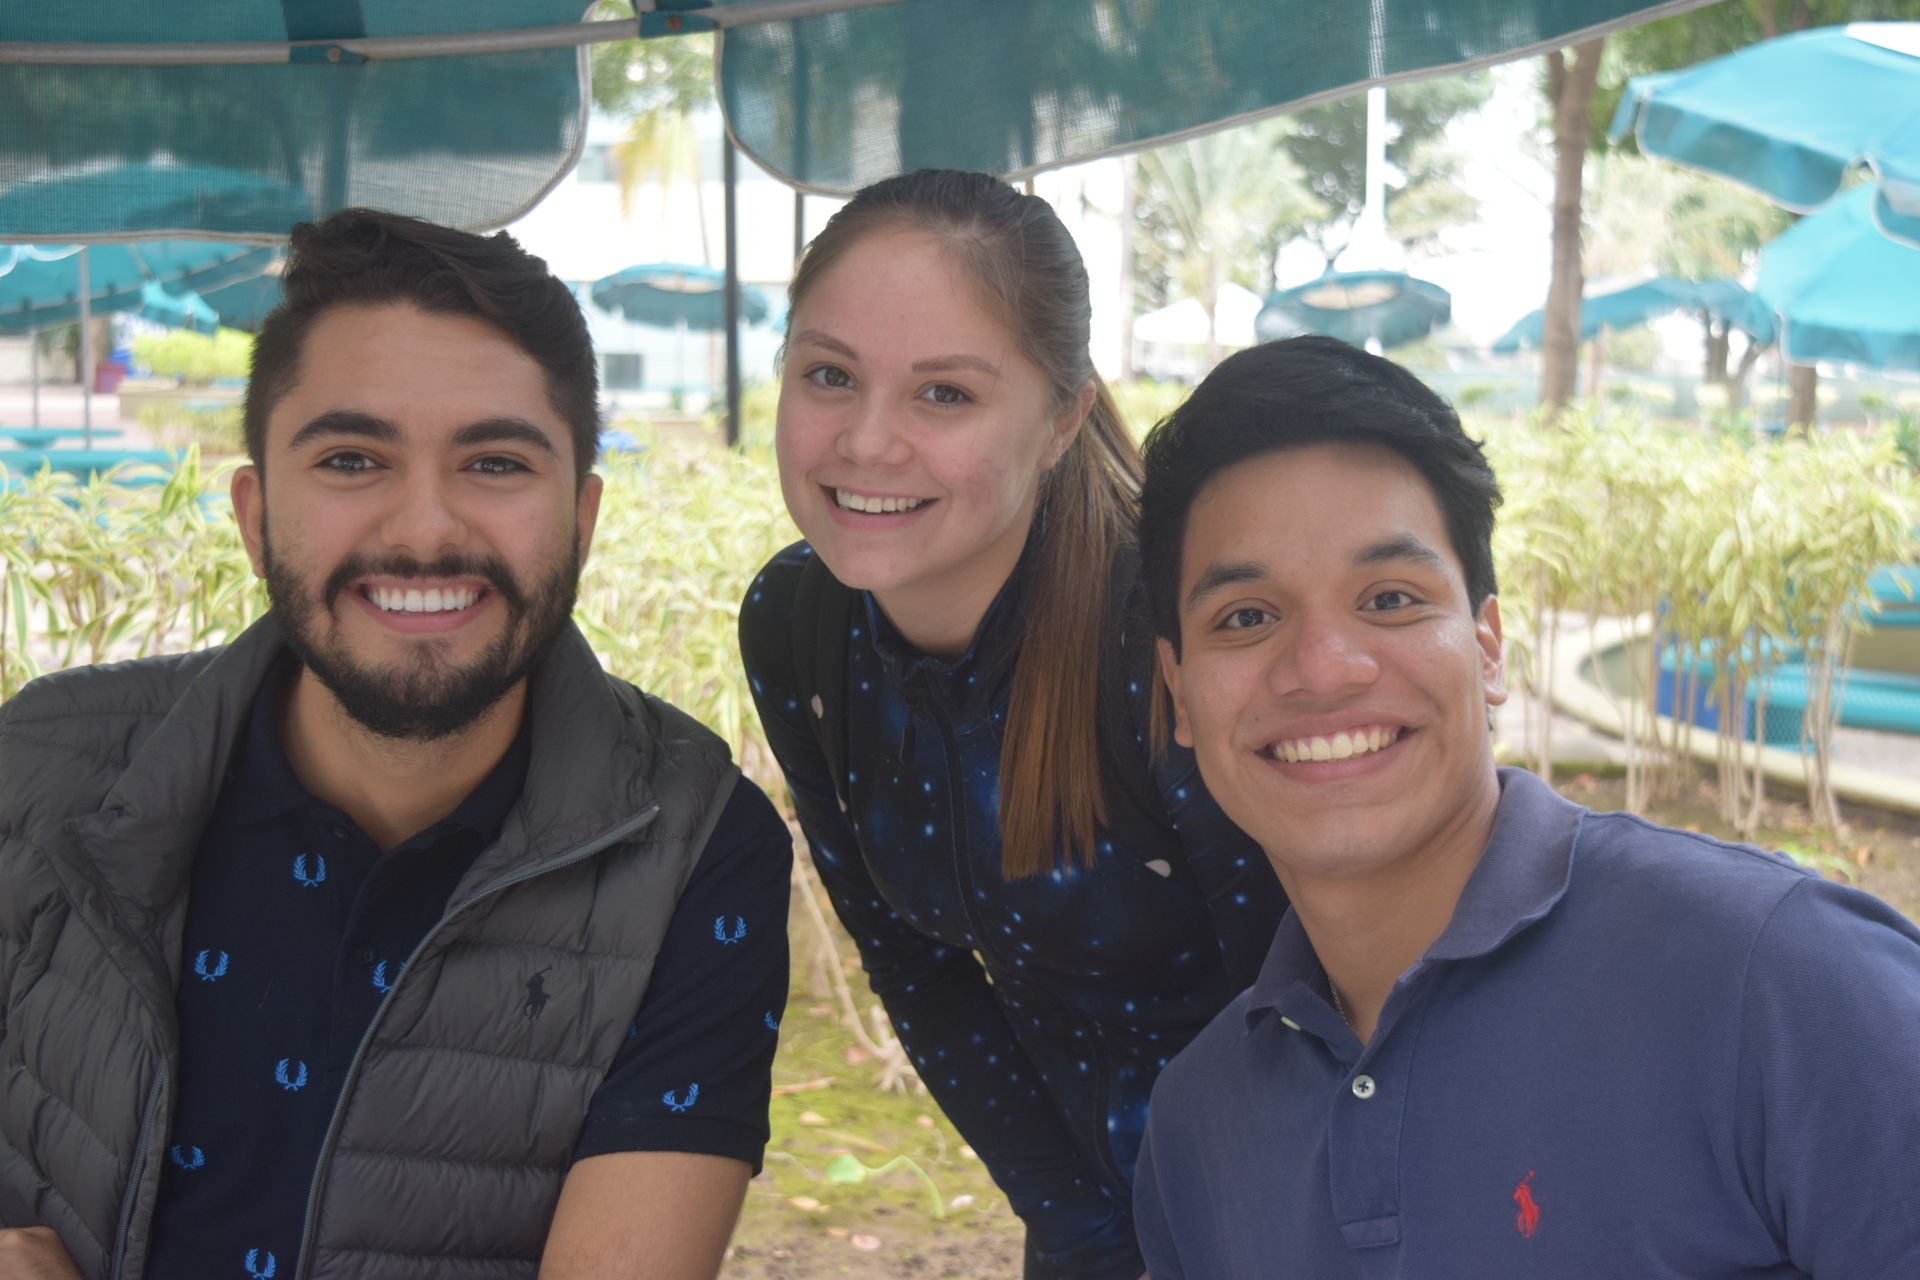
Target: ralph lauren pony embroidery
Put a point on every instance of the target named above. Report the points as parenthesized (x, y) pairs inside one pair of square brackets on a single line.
[(1529, 1216)]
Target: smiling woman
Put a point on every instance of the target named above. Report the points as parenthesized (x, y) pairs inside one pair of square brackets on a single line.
[(954, 673)]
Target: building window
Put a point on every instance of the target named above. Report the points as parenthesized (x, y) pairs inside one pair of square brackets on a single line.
[(597, 163), (621, 371)]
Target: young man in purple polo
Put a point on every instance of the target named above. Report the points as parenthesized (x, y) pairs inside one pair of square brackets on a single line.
[(1497, 1035)]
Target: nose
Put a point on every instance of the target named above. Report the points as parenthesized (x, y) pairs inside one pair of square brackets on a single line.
[(869, 436), (1325, 655), (422, 518)]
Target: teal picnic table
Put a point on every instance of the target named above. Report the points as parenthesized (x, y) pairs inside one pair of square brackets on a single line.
[(84, 463), (45, 437)]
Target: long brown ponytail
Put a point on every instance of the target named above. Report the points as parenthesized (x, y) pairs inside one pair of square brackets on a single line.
[(1027, 267)]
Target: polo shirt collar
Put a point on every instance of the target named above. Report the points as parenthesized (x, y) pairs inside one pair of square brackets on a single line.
[(1522, 874), (263, 785)]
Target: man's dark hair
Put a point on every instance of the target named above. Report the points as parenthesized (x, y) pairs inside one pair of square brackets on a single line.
[(367, 257), (1303, 391)]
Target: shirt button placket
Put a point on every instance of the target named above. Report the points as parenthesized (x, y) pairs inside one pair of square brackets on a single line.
[(1363, 1087)]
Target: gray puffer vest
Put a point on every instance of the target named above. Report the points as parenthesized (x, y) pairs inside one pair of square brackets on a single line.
[(457, 1122)]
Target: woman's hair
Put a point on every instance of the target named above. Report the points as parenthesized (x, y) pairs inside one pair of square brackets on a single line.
[(1028, 271)]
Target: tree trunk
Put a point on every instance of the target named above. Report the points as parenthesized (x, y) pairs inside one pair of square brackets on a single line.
[(1570, 81), (1719, 340), (1803, 382), (1737, 384)]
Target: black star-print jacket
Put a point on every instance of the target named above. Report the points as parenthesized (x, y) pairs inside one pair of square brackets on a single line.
[(1040, 1010)]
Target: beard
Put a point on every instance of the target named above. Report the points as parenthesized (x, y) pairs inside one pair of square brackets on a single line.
[(424, 697)]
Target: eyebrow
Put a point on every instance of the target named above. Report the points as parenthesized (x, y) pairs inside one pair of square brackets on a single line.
[(946, 364), (368, 426), (813, 337), (345, 422), (937, 364), (1216, 576), (503, 430), (1400, 547)]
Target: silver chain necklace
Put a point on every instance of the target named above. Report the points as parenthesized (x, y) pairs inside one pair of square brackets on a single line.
[(1339, 1008)]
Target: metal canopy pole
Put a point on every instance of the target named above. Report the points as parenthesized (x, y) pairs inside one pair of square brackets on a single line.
[(648, 24), (729, 168), (86, 353), (33, 363)]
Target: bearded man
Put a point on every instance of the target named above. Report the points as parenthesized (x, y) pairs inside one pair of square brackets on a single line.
[(395, 938)]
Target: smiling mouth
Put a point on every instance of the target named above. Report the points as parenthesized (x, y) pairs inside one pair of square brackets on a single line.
[(874, 504), (1345, 745), (415, 600)]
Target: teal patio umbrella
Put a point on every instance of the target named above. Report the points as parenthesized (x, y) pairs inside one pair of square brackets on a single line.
[(1790, 117), (42, 285), (1634, 305), (182, 310), (1381, 308), (670, 294), (245, 305), (1844, 291), (677, 296)]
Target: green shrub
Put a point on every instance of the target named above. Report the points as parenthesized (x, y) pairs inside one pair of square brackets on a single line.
[(195, 359)]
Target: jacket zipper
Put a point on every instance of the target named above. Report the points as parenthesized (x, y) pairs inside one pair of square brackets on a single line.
[(637, 823), (138, 1172)]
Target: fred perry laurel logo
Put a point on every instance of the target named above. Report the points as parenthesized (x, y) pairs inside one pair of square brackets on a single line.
[(310, 876), (1529, 1216)]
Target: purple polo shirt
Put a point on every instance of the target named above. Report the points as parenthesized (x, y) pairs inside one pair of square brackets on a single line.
[(1634, 1052)]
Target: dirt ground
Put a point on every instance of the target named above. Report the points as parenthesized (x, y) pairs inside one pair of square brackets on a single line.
[(877, 1185)]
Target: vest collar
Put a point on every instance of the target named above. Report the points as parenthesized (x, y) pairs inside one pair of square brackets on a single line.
[(593, 757)]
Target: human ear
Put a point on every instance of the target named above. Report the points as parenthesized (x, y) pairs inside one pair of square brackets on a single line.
[(1068, 422), (588, 512), (1493, 669), (1170, 672), (249, 512)]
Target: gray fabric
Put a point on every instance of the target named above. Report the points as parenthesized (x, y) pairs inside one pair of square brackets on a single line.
[(457, 1127)]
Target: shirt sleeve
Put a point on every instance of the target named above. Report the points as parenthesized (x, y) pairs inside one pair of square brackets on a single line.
[(936, 996), (696, 1071), (1828, 1080)]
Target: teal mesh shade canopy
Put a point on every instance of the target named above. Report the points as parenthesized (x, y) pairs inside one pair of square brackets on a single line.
[(470, 141), (1389, 308), (834, 102), (1725, 300), (672, 294), (1844, 291), (40, 284), (1789, 117), (830, 102)]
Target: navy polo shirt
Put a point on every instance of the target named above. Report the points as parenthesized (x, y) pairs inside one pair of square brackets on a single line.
[(297, 925), (1634, 1052)]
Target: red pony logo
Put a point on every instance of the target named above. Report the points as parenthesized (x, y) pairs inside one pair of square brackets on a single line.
[(1529, 1215)]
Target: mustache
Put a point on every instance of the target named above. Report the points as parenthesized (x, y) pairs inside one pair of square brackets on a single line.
[(490, 569)]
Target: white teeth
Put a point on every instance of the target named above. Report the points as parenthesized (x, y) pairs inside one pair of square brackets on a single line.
[(1341, 746), (852, 501), (414, 600)]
